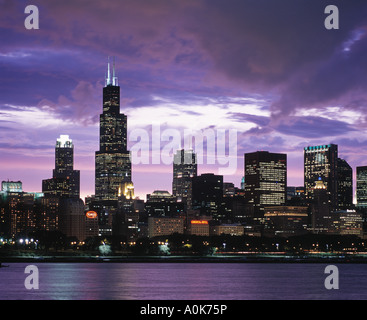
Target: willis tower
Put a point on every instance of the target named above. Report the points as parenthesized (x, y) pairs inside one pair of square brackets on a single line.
[(113, 164)]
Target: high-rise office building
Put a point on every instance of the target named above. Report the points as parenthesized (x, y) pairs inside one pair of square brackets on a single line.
[(184, 169), (321, 162), (18, 216), (206, 195), (362, 187), (113, 165), (65, 181), (321, 211), (265, 180), (345, 185)]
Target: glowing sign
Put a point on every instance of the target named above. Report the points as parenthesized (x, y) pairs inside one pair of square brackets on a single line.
[(199, 222), (91, 214)]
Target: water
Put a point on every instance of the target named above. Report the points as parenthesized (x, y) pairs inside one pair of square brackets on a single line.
[(182, 281)]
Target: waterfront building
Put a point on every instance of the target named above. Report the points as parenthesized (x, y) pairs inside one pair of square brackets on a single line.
[(233, 229), (65, 181), (286, 221), (112, 160), (322, 218), (164, 226), (321, 162), (198, 227), (350, 222), (362, 187), (345, 185), (18, 216), (207, 195), (184, 169), (75, 221), (265, 180)]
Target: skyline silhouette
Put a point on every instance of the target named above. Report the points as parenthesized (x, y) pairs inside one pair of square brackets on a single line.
[(277, 76)]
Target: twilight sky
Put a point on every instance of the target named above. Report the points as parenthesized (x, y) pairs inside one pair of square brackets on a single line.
[(268, 69)]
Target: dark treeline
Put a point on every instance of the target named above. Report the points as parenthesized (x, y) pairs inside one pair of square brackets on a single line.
[(180, 244)]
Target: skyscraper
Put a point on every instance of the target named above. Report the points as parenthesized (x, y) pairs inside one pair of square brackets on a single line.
[(265, 179), (345, 185), (321, 218), (362, 187), (184, 169), (113, 165), (321, 162), (65, 181), (207, 195)]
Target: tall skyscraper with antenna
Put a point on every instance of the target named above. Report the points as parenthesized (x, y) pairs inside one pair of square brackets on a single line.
[(113, 164)]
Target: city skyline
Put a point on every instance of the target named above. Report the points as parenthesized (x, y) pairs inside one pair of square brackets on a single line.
[(281, 80)]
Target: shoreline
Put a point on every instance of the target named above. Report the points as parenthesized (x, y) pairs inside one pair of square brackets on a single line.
[(239, 258)]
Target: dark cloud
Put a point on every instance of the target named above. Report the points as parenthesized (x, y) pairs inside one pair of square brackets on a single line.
[(199, 52), (314, 127)]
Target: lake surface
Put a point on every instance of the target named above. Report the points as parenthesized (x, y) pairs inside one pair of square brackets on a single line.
[(182, 281)]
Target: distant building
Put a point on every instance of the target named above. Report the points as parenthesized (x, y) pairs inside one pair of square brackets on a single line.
[(286, 221), (349, 222), (160, 203), (345, 185), (47, 210), (74, 222), (295, 193), (184, 169), (18, 216), (198, 227), (229, 189), (362, 187), (65, 181), (126, 219), (112, 160), (265, 180), (11, 186), (207, 195), (321, 162), (321, 210), (229, 229), (164, 226)]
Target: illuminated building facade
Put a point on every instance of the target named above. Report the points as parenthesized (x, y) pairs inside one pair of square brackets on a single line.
[(184, 169), (65, 181), (321, 162), (350, 222), (286, 221), (125, 222), (11, 186), (47, 213), (164, 226), (265, 180), (18, 216), (233, 229), (362, 187), (198, 227), (112, 161)]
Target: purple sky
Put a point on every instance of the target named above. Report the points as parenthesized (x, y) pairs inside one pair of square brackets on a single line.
[(268, 69)]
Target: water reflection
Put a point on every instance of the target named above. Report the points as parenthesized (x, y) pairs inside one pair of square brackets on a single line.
[(181, 281)]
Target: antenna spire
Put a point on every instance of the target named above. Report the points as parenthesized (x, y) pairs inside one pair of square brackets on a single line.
[(114, 77), (108, 78)]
